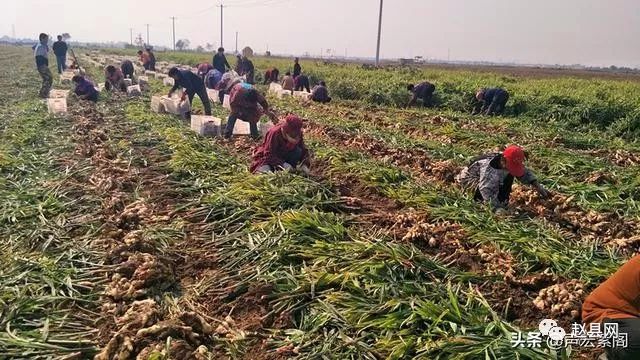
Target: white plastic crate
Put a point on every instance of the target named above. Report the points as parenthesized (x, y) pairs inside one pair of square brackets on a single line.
[(206, 125), (301, 95), (157, 104), (58, 94), (173, 105), (275, 88), (213, 95), (227, 102), (134, 90), (57, 106), (149, 73), (284, 93), (143, 80), (167, 81), (241, 128), (160, 76), (128, 82)]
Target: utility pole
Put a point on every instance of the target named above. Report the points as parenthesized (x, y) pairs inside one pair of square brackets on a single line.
[(221, 27), (147, 34), (131, 35), (13, 31), (379, 33), (173, 19), (236, 42)]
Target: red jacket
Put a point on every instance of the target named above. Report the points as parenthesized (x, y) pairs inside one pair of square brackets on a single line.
[(274, 147), (244, 109)]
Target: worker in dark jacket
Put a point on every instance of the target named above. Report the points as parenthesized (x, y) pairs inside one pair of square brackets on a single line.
[(203, 70), (271, 75), (491, 101), (41, 54), (192, 85), (85, 89), (60, 50), (247, 104), (491, 177), (297, 69), (114, 79), (152, 59), (301, 83), (423, 91), (128, 70), (283, 148), (616, 302), (248, 70), (220, 61), (320, 93)]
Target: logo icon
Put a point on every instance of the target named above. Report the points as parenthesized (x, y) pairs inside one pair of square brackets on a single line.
[(546, 325)]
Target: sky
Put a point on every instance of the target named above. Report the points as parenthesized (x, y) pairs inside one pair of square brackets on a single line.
[(589, 32)]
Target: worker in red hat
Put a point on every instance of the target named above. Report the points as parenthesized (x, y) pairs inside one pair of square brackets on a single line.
[(616, 302), (283, 148), (491, 176)]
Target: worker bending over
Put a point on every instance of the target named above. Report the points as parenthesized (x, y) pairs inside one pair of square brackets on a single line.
[(423, 91), (287, 82), (320, 93), (114, 79), (85, 88), (192, 85), (203, 69), (617, 301), (283, 148), (491, 177), (301, 83), (247, 104), (271, 75), (127, 69), (212, 78), (491, 101)]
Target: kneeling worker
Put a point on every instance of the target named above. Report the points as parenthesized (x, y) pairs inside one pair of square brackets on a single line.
[(491, 176), (85, 88), (423, 91), (192, 85), (320, 93), (127, 69), (247, 104), (283, 149), (617, 302), (491, 101)]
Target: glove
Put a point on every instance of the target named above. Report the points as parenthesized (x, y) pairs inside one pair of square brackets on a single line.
[(544, 193), (287, 167), (305, 169)]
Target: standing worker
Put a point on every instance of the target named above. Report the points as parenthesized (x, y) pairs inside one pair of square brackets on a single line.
[(152, 60), (85, 88), (114, 79), (60, 50), (283, 148), (301, 83), (287, 82), (297, 69), (192, 85), (247, 104), (320, 93), (128, 69), (617, 301), (492, 101), (238, 67), (491, 177), (423, 91), (41, 54), (220, 61), (248, 70)]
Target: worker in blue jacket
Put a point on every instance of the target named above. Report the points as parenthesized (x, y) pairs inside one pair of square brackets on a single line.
[(192, 85), (491, 101)]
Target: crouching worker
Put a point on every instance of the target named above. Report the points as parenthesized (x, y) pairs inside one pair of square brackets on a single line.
[(283, 149), (491, 101), (192, 85), (320, 93), (491, 177), (247, 104), (114, 79), (423, 91), (271, 75), (127, 69), (85, 88), (616, 304)]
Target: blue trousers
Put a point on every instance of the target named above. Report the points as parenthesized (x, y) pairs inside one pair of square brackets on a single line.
[(62, 63)]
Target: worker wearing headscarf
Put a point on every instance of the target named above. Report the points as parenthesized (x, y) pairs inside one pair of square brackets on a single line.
[(283, 148)]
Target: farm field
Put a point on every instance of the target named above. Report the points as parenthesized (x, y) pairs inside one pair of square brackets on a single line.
[(126, 235)]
